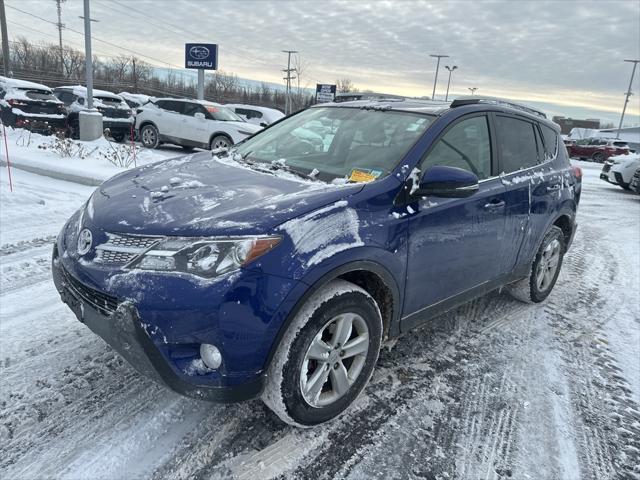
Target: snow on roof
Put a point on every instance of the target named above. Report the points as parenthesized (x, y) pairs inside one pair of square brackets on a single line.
[(82, 92), (15, 83), (255, 107), (136, 97)]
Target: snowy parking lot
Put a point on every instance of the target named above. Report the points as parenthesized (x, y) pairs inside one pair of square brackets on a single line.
[(495, 389)]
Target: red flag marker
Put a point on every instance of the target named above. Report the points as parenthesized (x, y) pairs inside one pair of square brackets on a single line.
[(6, 152)]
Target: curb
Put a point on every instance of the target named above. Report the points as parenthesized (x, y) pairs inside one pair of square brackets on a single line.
[(69, 177)]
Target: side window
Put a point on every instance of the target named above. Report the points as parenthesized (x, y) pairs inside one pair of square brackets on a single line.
[(170, 105), (550, 142), (516, 143), (466, 145), (190, 109)]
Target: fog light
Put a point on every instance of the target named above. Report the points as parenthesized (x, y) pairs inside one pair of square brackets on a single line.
[(210, 356)]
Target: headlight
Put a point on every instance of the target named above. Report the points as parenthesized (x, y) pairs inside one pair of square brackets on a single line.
[(204, 257)]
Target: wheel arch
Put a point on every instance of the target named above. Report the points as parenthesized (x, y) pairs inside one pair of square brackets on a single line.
[(373, 277), (565, 222), (144, 123)]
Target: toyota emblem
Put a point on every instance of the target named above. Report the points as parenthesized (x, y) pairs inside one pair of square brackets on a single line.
[(85, 239)]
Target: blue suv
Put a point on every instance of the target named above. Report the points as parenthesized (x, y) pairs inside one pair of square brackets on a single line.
[(277, 268)]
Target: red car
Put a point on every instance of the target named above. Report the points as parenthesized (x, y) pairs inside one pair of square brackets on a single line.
[(597, 149)]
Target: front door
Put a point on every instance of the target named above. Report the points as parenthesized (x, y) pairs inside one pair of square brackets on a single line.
[(455, 244)]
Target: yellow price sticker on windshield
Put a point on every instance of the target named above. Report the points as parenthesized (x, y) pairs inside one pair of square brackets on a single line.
[(362, 176)]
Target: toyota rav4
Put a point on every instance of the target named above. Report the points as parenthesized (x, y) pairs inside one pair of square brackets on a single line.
[(276, 268)]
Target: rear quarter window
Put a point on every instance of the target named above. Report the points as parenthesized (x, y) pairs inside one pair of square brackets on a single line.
[(550, 138), (516, 144)]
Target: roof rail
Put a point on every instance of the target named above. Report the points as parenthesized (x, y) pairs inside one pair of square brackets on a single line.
[(468, 100)]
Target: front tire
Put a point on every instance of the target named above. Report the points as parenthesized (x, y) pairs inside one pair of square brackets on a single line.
[(149, 136), (544, 269), (118, 136), (220, 141), (326, 356)]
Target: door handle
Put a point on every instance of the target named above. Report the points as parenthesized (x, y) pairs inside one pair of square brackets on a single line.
[(554, 188), (494, 205)]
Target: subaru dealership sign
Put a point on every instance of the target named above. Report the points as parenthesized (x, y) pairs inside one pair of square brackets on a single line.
[(201, 55), (325, 93)]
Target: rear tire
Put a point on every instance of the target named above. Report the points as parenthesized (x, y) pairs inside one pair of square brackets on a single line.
[(598, 157), (544, 270), (326, 356), (118, 137), (149, 136)]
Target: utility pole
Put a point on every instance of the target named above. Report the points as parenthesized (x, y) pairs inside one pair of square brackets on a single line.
[(60, 26), (288, 78), (5, 41), (451, 69), (90, 120), (435, 80), (473, 90), (134, 74), (628, 94)]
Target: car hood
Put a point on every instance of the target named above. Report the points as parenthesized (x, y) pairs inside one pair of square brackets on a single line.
[(204, 195), (245, 126)]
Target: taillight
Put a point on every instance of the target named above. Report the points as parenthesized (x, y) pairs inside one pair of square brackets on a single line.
[(17, 103), (577, 172)]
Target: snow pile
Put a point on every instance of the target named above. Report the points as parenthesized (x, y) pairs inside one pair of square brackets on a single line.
[(83, 162)]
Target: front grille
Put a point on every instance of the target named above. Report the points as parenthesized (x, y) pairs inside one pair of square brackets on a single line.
[(104, 303), (121, 249)]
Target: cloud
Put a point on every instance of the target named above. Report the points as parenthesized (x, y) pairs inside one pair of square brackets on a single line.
[(569, 53)]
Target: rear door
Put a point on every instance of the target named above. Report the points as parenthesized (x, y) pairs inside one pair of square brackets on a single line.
[(529, 182), (455, 244)]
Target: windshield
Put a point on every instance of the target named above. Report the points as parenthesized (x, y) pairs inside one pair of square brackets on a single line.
[(222, 114), (351, 143)]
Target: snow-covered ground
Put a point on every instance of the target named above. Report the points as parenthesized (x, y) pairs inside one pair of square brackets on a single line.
[(90, 163), (496, 389)]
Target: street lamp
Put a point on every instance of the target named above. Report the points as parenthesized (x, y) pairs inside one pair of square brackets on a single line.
[(435, 80), (473, 89), (451, 69), (627, 95)]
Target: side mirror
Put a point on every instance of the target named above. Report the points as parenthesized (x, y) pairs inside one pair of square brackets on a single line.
[(199, 115), (448, 182)]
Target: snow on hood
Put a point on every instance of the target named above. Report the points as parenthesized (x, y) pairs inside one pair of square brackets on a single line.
[(202, 195)]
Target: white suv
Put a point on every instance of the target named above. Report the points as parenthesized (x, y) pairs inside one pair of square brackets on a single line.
[(190, 123), (619, 170)]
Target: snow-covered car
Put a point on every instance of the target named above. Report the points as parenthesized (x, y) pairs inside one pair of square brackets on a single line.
[(262, 116), (117, 115), (191, 124), (31, 106), (620, 169), (135, 100)]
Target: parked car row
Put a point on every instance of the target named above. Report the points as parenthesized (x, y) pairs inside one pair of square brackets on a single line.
[(620, 170), (185, 122), (596, 149)]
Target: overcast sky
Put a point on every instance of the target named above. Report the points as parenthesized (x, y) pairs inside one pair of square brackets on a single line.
[(568, 55)]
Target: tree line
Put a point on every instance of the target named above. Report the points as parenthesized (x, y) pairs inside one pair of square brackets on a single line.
[(50, 65)]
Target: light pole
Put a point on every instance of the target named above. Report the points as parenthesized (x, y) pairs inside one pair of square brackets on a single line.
[(624, 109), (435, 80), (451, 69), (473, 90), (89, 120)]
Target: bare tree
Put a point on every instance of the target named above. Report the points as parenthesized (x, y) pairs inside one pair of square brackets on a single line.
[(345, 85)]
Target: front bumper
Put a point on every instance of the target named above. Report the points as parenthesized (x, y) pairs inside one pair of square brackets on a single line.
[(121, 126), (123, 329)]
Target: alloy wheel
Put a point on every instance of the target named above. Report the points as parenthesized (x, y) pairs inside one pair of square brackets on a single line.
[(334, 360), (548, 265)]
